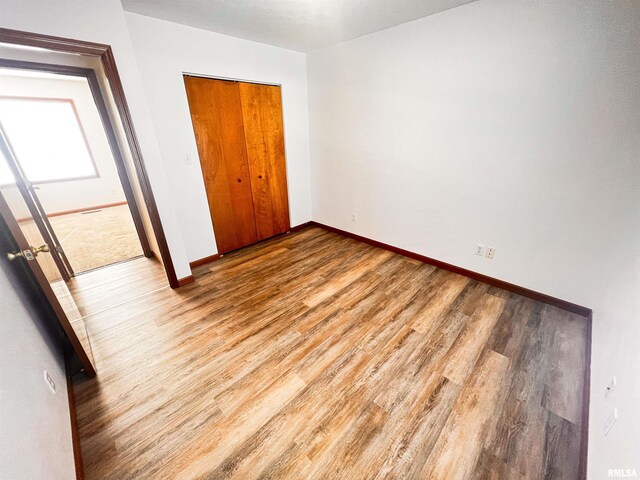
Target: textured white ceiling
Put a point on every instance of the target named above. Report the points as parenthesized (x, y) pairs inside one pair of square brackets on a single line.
[(303, 25)]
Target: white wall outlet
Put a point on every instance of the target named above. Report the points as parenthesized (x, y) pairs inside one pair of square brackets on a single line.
[(611, 387), (354, 217), (490, 253), (49, 381), (187, 159), (611, 420), (479, 249)]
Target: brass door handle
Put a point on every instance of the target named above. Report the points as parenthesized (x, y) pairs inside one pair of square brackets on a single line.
[(13, 255), (28, 254), (41, 248)]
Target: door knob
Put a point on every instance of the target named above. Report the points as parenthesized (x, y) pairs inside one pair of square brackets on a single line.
[(29, 253), (41, 248)]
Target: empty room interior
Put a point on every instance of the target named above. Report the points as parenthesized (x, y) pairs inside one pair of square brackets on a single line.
[(319, 239)]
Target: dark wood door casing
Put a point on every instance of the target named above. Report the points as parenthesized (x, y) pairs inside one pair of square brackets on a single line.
[(105, 53)]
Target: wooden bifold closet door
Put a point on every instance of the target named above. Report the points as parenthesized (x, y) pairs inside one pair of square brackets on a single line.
[(240, 138)]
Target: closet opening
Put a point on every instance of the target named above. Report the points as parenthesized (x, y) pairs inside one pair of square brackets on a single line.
[(239, 133)]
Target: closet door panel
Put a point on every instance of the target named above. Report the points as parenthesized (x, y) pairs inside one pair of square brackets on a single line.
[(218, 125), (264, 134)]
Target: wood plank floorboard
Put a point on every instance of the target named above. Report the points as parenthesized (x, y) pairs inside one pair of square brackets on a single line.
[(313, 355)]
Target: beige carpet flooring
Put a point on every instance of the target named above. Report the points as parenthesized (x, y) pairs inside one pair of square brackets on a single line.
[(97, 238)]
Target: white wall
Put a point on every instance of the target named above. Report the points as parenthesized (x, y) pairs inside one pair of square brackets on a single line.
[(165, 50), (75, 194), (35, 442), (103, 22), (512, 124)]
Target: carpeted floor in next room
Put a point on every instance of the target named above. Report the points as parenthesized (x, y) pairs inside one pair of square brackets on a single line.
[(97, 238)]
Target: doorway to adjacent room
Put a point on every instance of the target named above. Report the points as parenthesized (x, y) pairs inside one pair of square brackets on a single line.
[(59, 150)]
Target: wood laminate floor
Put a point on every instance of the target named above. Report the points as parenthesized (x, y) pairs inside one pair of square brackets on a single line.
[(315, 356)]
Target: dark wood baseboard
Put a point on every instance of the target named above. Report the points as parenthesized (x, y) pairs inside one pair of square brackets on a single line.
[(541, 297), (297, 228), (213, 258), (185, 280), (586, 398), (75, 434), (204, 261)]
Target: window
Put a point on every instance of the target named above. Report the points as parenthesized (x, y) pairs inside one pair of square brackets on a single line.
[(47, 139)]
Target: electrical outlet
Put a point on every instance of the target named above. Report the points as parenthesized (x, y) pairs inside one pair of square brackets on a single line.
[(611, 387), (611, 419), (479, 249), (50, 383), (187, 159), (354, 217), (490, 253)]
